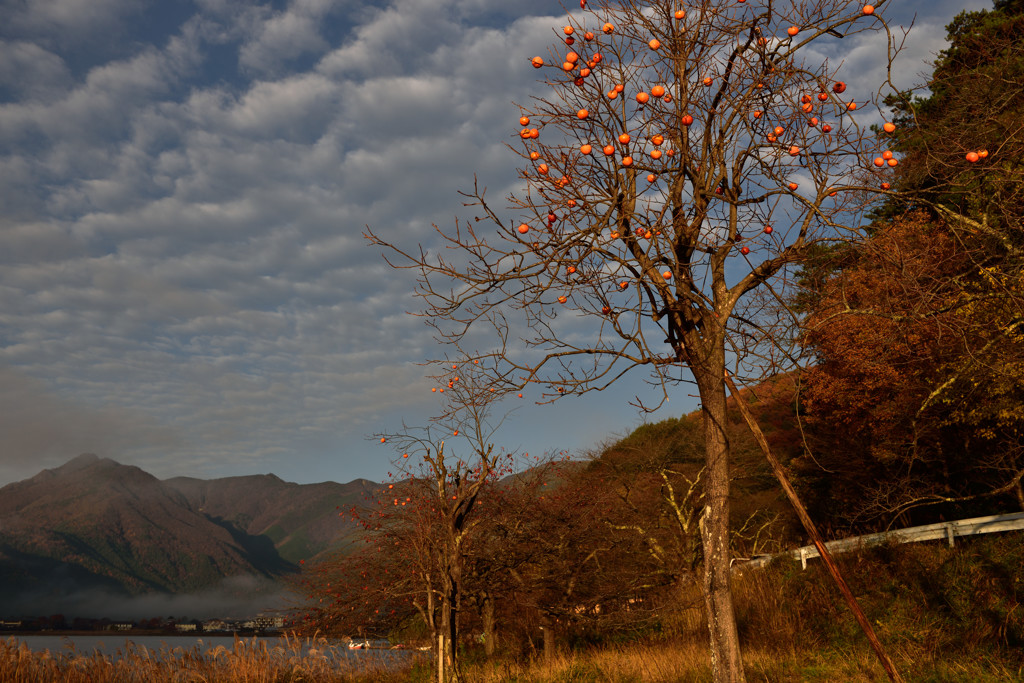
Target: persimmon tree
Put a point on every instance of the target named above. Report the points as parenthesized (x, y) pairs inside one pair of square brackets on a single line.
[(449, 464), (686, 157), (377, 583)]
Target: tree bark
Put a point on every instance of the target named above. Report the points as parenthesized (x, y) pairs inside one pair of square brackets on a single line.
[(450, 622), (550, 643), (490, 632), (726, 660)]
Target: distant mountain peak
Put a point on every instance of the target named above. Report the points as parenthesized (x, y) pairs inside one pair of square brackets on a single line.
[(80, 461), (101, 524)]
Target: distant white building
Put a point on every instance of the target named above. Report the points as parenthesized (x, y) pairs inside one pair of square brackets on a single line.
[(269, 621), (216, 625)]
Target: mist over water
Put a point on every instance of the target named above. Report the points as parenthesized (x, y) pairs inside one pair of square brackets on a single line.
[(234, 598)]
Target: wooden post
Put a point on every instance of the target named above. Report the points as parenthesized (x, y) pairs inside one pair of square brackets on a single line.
[(812, 530), (440, 658)]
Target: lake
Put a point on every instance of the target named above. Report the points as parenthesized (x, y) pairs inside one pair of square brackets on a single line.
[(114, 645)]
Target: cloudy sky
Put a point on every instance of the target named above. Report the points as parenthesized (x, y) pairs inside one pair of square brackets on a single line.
[(184, 184)]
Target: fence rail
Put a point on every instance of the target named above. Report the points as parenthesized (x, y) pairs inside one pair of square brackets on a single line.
[(914, 534)]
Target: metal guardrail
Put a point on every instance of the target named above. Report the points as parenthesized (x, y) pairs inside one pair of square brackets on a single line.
[(914, 534)]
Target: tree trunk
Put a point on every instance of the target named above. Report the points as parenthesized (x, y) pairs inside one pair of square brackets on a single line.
[(449, 629), (726, 662), (450, 621), (550, 643), (490, 632)]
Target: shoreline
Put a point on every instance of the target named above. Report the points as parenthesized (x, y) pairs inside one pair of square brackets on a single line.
[(147, 632)]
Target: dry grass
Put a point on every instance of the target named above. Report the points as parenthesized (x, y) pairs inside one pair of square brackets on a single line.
[(312, 661), (662, 662), (688, 663)]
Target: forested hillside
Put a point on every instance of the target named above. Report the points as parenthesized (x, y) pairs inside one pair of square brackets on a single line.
[(915, 394)]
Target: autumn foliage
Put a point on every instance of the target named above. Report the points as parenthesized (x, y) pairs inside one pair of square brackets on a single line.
[(916, 396), (915, 400)]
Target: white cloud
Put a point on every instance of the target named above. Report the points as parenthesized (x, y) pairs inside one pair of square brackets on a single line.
[(285, 36), (182, 249), (31, 71), (67, 20)]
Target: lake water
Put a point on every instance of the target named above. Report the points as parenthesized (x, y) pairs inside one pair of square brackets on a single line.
[(115, 645)]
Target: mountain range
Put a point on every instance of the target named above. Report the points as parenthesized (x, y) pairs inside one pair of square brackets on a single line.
[(94, 526)]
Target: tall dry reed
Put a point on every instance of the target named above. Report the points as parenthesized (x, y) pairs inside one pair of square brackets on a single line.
[(246, 661)]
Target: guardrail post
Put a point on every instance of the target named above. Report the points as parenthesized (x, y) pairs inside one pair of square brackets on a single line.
[(803, 558), (950, 534)]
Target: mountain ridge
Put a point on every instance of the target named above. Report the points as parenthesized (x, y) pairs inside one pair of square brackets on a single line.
[(96, 524)]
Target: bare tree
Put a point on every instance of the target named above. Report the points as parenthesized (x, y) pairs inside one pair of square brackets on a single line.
[(686, 158), (447, 484)]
